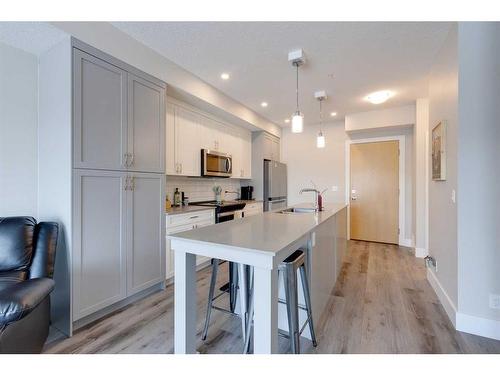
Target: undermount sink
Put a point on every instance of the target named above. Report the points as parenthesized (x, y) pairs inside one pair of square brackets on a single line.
[(297, 210)]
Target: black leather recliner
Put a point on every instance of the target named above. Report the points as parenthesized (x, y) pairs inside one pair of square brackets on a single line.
[(27, 252)]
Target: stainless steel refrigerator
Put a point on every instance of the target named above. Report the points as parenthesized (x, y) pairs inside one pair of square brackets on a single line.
[(275, 185)]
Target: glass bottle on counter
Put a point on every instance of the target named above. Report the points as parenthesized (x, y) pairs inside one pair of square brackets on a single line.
[(177, 197)]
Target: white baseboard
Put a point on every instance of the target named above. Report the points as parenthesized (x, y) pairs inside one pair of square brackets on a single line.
[(445, 300), (478, 326), (420, 252), (408, 242)]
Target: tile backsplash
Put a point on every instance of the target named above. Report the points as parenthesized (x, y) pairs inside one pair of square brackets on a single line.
[(200, 189)]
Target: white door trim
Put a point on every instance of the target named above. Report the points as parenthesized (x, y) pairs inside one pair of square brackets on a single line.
[(401, 139)]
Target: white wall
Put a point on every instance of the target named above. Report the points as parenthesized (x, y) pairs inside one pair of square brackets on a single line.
[(421, 136), (306, 162), (390, 117), (443, 106), (479, 170), (18, 132), (54, 184)]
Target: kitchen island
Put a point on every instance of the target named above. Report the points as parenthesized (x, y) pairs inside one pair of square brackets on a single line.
[(261, 241)]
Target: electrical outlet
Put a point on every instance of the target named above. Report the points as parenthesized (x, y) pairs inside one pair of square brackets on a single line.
[(453, 196), (335, 188), (495, 301)]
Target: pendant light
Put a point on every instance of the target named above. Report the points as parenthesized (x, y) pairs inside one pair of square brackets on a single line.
[(297, 59), (320, 140)]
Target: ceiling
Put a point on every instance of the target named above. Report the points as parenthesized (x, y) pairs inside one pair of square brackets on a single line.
[(347, 59), (32, 37)]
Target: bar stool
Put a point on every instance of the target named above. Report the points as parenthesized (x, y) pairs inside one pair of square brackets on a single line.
[(240, 279), (288, 268)]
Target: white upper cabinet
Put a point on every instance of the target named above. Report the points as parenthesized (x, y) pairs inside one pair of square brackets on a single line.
[(189, 131), (187, 142), (119, 118), (271, 147), (146, 126), (171, 165), (100, 113)]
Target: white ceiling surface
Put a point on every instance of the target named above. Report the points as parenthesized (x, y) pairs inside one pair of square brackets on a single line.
[(363, 57), (32, 37)]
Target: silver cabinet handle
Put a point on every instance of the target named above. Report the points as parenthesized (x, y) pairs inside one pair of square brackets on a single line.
[(194, 217)]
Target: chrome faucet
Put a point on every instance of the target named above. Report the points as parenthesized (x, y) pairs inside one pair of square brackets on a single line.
[(316, 195)]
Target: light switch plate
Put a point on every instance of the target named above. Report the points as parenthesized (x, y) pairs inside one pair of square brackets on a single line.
[(335, 188), (495, 301), (453, 196)]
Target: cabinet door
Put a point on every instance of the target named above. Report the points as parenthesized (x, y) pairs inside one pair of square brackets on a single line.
[(267, 149), (276, 149), (100, 113), (170, 140), (99, 260), (146, 125), (247, 155), (146, 235), (187, 142)]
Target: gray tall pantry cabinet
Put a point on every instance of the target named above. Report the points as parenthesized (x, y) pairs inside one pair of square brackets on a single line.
[(116, 238)]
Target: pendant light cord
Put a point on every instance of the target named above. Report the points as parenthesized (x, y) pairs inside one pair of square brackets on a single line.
[(297, 88)]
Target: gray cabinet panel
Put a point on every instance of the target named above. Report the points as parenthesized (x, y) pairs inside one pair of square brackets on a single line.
[(146, 240), (146, 124), (100, 113), (99, 262)]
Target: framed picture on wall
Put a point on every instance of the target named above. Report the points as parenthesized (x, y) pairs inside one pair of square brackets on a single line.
[(439, 152)]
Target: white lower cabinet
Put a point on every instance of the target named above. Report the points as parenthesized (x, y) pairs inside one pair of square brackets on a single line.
[(118, 239), (177, 223)]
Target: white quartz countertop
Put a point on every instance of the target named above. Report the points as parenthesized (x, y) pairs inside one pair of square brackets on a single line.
[(269, 232), (176, 210)]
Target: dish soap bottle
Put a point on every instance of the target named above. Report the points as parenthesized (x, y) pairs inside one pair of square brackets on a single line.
[(177, 197)]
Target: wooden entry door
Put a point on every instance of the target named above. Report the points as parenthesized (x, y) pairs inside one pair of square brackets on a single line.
[(375, 191)]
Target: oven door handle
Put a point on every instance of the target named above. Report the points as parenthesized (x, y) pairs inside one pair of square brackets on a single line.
[(224, 214)]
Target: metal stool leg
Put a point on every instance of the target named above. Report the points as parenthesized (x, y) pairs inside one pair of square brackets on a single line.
[(246, 347), (307, 297), (242, 291), (292, 306), (213, 280)]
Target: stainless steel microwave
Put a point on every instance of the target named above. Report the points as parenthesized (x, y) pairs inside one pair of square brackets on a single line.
[(216, 164)]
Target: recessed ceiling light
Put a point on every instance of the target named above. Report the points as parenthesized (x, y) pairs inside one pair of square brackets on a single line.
[(333, 114), (225, 76), (263, 104), (379, 97), (287, 120)]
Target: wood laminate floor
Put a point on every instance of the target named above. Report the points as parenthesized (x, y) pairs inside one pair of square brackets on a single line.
[(382, 303)]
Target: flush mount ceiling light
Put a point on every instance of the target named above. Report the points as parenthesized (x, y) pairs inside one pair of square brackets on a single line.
[(320, 140), (379, 97), (297, 59), (287, 120), (263, 104), (225, 76), (333, 114)]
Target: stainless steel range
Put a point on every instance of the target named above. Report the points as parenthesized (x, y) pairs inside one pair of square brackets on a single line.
[(224, 211)]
